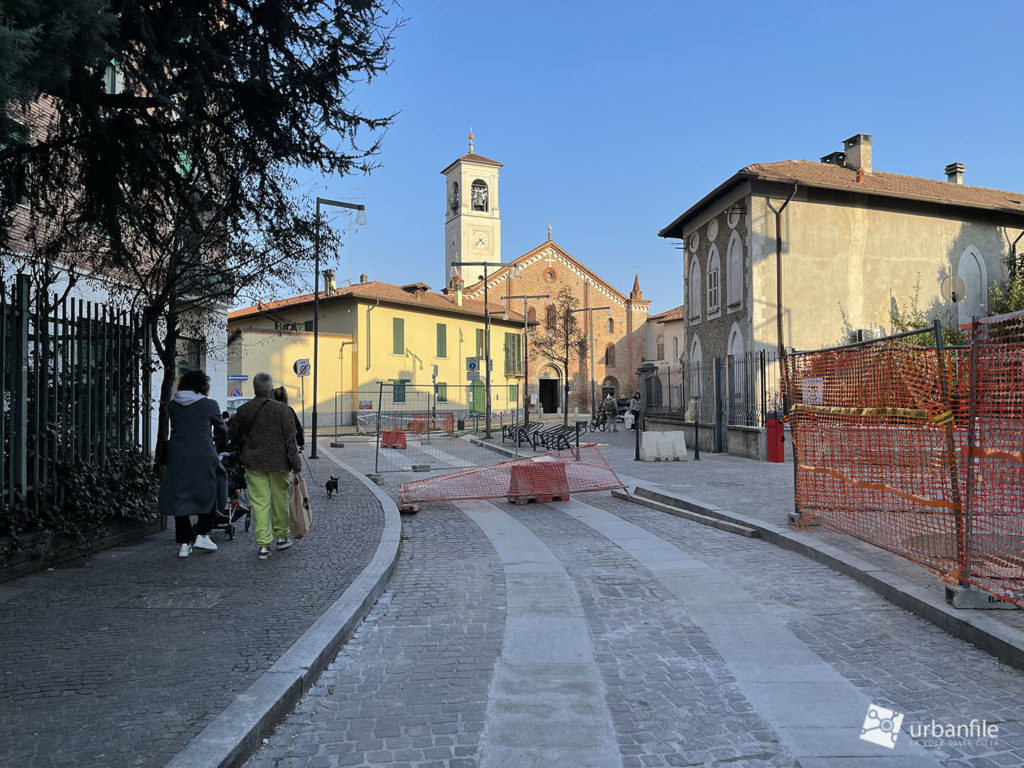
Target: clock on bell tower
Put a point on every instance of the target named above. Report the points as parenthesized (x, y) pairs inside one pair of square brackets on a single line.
[(472, 225)]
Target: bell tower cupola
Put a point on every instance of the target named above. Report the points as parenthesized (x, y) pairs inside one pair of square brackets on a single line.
[(472, 222)]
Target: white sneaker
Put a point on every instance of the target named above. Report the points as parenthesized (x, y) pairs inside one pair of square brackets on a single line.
[(204, 543), (185, 550)]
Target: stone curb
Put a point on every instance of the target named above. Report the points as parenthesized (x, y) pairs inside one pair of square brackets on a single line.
[(987, 634), (235, 734)]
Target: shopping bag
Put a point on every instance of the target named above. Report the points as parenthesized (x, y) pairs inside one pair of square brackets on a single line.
[(627, 420), (299, 516)]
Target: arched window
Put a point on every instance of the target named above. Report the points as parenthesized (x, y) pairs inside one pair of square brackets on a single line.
[(453, 198), (737, 376), (693, 294), (714, 272), (609, 355), (675, 348), (479, 195), (609, 387), (611, 325), (734, 271), (531, 314), (659, 348), (552, 317), (696, 361), (971, 270)]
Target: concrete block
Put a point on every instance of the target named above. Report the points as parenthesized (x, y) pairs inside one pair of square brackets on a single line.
[(976, 599)]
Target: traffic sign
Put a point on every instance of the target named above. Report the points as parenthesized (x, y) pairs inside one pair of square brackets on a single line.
[(236, 392), (301, 367), (472, 375), (238, 377), (472, 365), (435, 372)]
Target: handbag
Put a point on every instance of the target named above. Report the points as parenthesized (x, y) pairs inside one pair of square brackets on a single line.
[(300, 518)]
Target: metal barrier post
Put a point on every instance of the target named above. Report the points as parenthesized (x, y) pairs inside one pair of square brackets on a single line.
[(380, 404), (954, 480), (19, 389)]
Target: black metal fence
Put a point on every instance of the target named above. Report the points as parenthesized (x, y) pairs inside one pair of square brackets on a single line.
[(733, 391), (75, 387)]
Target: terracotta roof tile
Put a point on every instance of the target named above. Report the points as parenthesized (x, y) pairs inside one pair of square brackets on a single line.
[(679, 313), (388, 292), (886, 184), (814, 173)]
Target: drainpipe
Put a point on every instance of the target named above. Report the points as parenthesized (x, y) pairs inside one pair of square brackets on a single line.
[(369, 342), (778, 267)]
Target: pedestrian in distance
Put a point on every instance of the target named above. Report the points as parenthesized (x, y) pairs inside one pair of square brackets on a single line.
[(194, 482), (281, 395), (265, 429), (634, 410), (611, 412)]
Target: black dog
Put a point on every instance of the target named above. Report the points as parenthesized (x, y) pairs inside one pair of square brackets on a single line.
[(331, 486)]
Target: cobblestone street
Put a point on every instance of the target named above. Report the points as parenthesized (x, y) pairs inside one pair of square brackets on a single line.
[(595, 632)]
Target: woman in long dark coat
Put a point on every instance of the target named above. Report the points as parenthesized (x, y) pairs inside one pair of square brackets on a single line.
[(194, 481)]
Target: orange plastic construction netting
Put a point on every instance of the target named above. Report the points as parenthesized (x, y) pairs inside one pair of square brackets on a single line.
[(992, 462), (918, 451), (553, 475)]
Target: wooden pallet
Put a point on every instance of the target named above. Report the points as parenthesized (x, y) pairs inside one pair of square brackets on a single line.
[(537, 499)]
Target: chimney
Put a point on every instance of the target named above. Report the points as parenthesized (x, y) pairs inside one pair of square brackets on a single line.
[(458, 293), (329, 282), (955, 173), (858, 152), (364, 278)]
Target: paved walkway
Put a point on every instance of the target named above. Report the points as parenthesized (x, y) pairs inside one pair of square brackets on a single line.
[(123, 658), (596, 632), (593, 632)]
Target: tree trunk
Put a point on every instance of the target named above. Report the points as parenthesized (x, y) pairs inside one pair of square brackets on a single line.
[(166, 351)]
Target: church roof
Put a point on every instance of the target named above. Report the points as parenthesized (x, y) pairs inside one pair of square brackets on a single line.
[(472, 157), (386, 292), (492, 277)]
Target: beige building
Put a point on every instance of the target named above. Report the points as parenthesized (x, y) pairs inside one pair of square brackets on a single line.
[(666, 345), (855, 243)]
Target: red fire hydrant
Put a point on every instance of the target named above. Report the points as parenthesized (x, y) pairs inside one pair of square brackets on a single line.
[(776, 439)]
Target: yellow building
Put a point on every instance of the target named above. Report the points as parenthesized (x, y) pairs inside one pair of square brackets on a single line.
[(402, 347)]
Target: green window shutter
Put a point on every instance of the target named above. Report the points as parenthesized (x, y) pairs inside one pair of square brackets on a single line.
[(442, 340), (513, 394), (398, 339), (398, 390), (442, 392), (513, 353)]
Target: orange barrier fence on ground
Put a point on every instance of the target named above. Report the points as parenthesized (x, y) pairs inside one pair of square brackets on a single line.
[(918, 450), (581, 469)]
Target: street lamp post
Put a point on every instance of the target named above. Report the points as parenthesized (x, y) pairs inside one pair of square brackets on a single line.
[(487, 332), (360, 220), (526, 352)]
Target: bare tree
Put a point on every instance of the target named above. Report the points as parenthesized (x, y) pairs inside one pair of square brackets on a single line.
[(561, 339)]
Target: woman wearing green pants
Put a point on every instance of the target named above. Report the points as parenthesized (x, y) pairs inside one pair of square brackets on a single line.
[(266, 429)]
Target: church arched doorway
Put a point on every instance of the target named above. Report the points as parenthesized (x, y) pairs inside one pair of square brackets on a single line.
[(548, 389)]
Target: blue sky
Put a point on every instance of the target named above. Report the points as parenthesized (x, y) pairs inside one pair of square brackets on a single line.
[(613, 118)]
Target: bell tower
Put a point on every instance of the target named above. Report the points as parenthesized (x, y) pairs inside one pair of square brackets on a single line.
[(472, 222)]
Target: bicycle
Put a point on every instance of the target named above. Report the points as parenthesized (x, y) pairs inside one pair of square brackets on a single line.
[(599, 421)]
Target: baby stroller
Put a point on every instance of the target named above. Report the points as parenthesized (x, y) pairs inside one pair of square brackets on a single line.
[(238, 498)]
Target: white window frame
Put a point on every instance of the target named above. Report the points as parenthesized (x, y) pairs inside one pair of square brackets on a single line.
[(734, 274), (693, 293), (714, 283)]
